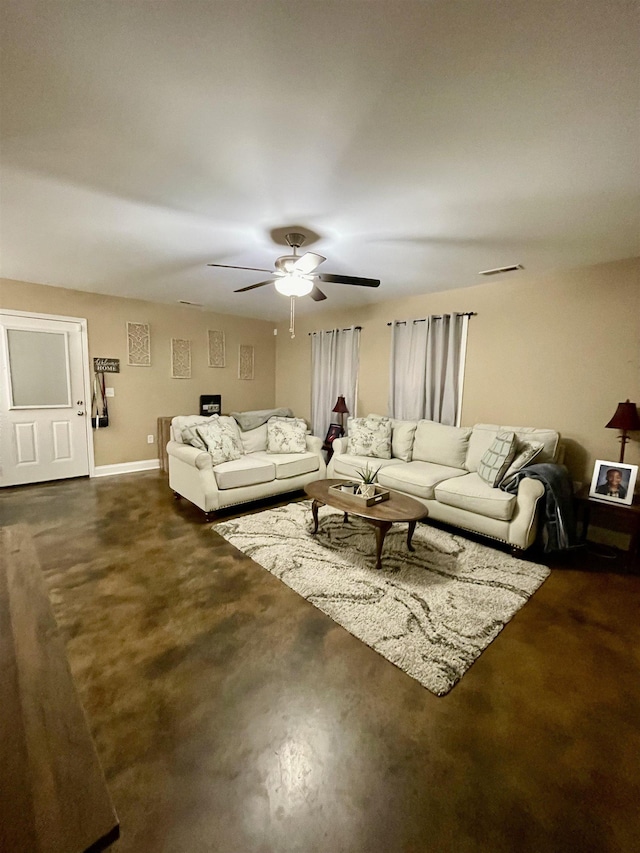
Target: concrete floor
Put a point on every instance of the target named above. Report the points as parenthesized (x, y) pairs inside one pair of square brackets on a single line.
[(285, 733)]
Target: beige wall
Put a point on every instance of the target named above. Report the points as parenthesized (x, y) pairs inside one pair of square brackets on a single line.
[(144, 393), (555, 351), (540, 353)]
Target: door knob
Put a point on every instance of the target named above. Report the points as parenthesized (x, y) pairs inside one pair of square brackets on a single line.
[(80, 414)]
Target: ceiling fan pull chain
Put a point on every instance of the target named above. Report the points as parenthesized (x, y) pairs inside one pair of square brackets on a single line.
[(292, 318)]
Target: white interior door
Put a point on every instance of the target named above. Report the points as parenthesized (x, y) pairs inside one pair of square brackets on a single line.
[(43, 407)]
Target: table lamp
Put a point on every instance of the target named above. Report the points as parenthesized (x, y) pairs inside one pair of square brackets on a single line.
[(625, 418), (341, 408)]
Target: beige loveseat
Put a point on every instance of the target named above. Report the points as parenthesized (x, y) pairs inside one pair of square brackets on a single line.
[(256, 474), (438, 465)]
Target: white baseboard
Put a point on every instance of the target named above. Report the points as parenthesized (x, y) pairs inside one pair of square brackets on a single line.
[(126, 467)]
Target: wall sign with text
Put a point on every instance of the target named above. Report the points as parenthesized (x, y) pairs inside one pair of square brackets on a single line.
[(106, 365)]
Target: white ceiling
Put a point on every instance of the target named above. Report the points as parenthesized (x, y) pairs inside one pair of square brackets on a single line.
[(422, 141)]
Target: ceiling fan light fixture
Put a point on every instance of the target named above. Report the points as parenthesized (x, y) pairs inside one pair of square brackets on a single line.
[(293, 285), (296, 275)]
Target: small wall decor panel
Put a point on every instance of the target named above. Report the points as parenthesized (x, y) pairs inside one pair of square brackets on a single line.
[(180, 358), (138, 345), (245, 362), (216, 348)]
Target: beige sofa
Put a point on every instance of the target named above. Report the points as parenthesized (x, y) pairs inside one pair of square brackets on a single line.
[(437, 465), (257, 474)]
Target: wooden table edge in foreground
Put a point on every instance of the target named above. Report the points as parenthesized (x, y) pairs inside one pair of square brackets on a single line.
[(381, 515)]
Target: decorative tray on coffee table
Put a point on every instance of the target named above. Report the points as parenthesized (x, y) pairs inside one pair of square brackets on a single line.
[(351, 495)]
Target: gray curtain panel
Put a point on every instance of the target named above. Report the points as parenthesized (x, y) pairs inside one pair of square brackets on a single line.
[(426, 368), (334, 371)]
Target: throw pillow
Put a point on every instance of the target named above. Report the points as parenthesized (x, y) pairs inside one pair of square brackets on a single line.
[(190, 436), (254, 440), (286, 435), (441, 444), (221, 439), (526, 452), (369, 437), (402, 434), (497, 458)]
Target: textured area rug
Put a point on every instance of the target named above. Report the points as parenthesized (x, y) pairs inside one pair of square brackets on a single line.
[(431, 612)]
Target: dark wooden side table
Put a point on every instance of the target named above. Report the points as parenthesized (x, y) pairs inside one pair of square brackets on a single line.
[(610, 516), (328, 448)]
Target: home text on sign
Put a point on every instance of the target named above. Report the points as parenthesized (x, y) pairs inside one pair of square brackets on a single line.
[(106, 365)]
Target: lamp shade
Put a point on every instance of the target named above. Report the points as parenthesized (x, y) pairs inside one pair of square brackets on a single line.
[(625, 417), (341, 407)]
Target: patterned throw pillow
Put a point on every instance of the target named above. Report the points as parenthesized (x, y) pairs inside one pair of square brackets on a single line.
[(369, 437), (286, 435), (526, 452), (497, 458), (190, 436), (221, 439), (402, 435)]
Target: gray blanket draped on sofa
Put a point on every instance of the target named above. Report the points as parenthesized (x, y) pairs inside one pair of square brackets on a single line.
[(557, 523)]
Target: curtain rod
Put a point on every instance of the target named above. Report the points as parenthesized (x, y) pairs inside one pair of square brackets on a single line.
[(338, 330), (435, 317)]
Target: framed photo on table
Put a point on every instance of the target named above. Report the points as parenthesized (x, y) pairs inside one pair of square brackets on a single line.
[(613, 482), (334, 431)]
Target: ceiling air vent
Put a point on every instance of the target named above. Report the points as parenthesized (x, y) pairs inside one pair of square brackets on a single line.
[(497, 270)]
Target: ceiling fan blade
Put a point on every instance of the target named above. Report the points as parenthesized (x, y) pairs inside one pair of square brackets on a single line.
[(253, 286), (308, 262), (349, 279), (231, 267), (316, 294)]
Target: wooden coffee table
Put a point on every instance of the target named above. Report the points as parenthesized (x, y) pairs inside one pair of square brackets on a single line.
[(398, 508)]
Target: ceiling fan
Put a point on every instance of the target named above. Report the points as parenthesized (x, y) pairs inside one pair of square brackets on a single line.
[(296, 275)]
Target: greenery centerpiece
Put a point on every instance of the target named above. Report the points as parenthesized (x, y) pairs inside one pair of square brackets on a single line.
[(368, 477)]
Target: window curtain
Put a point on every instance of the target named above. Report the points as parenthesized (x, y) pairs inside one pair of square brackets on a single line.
[(334, 371), (427, 368)]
